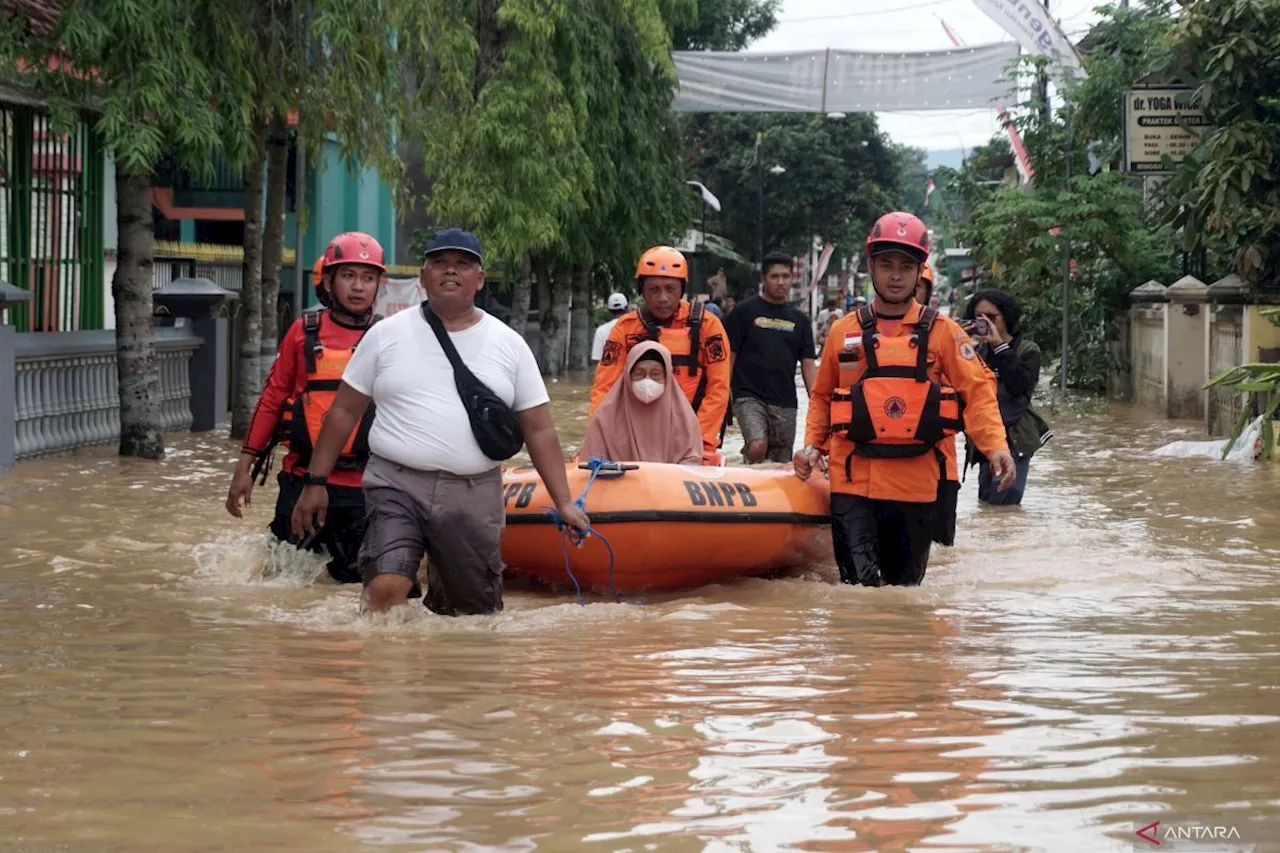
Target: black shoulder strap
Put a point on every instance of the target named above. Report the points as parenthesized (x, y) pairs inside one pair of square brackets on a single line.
[(866, 318), (311, 346), (649, 323), (923, 326), (696, 310), (460, 370)]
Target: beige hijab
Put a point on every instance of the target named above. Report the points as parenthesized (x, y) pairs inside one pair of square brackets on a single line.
[(627, 430)]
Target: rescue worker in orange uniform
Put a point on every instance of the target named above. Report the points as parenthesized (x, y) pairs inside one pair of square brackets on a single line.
[(949, 485), (895, 379), (297, 394), (694, 336)]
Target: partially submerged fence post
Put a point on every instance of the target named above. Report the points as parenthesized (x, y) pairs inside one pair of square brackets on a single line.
[(1148, 344), (1185, 342), (1224, 349), (9, 295), (204, 305)]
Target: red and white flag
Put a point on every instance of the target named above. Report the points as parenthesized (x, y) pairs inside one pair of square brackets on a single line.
[(1022, 160), (928, 188)]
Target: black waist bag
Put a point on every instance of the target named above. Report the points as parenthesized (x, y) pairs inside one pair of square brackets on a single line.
[(495, 426)]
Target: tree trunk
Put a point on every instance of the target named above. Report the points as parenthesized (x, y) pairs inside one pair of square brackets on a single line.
[(273, 238), (542, 281), (580, 321), (249, 370), (138, 370), (520, 294), (554, 317)]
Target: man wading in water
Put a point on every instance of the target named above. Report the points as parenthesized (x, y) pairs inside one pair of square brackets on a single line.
[(299, 391), (430, 486), (894, 381)]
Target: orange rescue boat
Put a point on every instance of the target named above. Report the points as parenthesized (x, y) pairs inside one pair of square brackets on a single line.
[(670, 526)]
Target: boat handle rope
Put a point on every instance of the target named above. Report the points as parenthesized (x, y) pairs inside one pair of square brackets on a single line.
[(609, 471)]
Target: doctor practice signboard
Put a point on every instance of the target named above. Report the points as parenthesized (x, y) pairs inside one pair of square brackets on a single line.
[(1159, 122)]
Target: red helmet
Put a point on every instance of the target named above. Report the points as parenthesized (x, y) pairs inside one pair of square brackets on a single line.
[(899, 232), (354, 247), (350, 247)]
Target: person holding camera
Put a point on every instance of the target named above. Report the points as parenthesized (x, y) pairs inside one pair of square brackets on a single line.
[(456, 391), (993, 319)]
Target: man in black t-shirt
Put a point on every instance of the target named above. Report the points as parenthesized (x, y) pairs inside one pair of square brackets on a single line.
[(766, 339)]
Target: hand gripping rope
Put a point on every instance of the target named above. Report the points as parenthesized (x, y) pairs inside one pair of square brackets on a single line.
[(598, 468)]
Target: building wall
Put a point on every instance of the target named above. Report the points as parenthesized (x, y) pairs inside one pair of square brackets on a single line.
[(336, 201)]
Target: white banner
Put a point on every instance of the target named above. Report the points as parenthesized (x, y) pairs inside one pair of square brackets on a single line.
[(824, 81), (397, 294), (1029, 22)]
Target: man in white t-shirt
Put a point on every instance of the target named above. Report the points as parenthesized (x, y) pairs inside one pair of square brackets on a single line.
[(429, 489), (618, 306)]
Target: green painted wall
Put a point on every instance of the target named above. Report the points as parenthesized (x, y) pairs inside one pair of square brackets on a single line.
[(338, 201)]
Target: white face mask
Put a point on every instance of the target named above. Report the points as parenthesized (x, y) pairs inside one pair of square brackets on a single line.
[(646, 390)]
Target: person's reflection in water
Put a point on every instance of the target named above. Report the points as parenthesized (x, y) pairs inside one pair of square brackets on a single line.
[(905, 735), (645, 417)]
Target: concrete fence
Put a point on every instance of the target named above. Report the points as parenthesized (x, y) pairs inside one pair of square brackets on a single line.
[(1177, 338), (67, 389), (59, 390)]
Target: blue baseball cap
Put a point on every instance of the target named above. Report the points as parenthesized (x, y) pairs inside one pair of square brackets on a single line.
[(454, 238)]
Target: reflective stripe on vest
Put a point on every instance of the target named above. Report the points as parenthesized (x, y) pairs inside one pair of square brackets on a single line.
[(303, 415), (885, 402), (685, 345)]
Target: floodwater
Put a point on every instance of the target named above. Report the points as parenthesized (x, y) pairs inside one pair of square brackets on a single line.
[(1104, 657)]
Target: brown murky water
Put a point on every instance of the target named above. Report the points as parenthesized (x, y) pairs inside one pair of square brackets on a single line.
[(1110, 654)]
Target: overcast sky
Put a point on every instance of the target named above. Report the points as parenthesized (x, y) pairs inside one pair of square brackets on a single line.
[(905, 25)]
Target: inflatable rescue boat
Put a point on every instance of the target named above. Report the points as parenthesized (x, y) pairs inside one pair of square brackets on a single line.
[(669, 526)]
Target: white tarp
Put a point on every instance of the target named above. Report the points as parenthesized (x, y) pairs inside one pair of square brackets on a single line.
[(1245, 448), (1030, 23), (397, 294), (827, 81)]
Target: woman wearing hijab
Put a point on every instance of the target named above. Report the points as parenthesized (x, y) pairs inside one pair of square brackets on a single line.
[(645, 417), (1015, 360)]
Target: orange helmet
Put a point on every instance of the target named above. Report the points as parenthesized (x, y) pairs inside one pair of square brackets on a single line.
[(926, 273), (663, 260), (317, 271)]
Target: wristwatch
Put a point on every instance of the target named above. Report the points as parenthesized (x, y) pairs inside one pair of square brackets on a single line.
[(309, 479), (809, 450)]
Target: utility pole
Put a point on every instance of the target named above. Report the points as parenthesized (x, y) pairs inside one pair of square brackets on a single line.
[(1066, 267), (1045, 113), (759, 204)]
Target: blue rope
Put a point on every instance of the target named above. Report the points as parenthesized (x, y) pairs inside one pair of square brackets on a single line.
[(576, 538)]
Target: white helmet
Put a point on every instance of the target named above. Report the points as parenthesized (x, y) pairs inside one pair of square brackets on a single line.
[(617, 302)]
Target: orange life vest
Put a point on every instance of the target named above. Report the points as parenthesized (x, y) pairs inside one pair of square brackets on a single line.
[(685, 345), (303, 415), (890, 408)]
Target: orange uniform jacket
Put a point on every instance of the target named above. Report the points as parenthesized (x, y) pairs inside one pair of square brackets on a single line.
[(286, 379), (713, 357), (914, 479)]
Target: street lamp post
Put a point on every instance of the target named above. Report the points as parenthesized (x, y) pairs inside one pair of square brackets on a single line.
[(776, 169)]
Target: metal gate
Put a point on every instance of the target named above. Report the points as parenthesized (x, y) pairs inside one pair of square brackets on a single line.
[(51, 221)]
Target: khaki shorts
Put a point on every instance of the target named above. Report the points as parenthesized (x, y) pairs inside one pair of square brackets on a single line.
[(455, 521), (761, 421)]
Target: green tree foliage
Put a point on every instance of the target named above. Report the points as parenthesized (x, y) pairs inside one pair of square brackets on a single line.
[(912, 166), (726, 24), (1116, 243), (1228, 190), (840, 175), (154, 79), (499, 129)]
